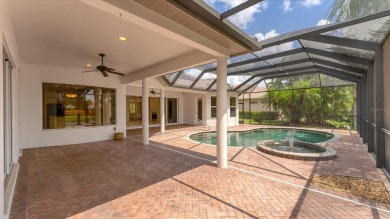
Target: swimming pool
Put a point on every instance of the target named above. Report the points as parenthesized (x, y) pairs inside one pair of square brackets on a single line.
[(252, 137)]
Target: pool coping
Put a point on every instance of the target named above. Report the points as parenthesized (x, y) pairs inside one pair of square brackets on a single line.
[(328, 154), (322, 143)]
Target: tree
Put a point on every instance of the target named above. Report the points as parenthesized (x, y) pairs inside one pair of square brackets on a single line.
[(306, 102), (342, 10)]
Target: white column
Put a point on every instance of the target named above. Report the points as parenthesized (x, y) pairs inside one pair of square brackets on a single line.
[(98, 112), (145, 111), (162, 111), (222, 112)]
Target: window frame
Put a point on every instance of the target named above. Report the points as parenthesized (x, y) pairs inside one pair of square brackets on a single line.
[(101, 103), (233, 108), (213, 107)]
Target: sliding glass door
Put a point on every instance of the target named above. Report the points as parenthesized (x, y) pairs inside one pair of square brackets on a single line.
[(172, 110), (134, 111)]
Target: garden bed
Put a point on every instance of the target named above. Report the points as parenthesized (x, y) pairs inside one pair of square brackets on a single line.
[(359, 187)]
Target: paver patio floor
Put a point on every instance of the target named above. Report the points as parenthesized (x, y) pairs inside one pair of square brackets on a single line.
[(176, 178)]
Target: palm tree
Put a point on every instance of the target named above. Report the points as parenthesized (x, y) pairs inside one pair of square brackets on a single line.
[(342, 10)]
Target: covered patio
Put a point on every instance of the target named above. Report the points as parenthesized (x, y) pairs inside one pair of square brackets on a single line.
[(181, 65), (174, 177)]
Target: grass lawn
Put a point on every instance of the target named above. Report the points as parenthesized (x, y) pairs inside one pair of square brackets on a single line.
[(265, 122), (280, 123)]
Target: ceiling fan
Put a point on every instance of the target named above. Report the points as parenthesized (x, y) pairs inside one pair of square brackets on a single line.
[(153, 92), (104, 69)]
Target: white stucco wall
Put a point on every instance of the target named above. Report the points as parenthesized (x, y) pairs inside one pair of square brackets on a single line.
[(7, 41), (232, 121), (32, 133)]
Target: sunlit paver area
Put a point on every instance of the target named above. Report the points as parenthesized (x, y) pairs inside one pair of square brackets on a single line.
[(177, 178)]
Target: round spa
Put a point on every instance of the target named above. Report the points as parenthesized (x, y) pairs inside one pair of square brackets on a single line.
[(296, 150)]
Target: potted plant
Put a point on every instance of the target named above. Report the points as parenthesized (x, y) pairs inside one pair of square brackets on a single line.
[(118, 135)]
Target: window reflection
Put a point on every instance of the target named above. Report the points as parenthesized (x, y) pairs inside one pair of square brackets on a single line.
[(68, 106)]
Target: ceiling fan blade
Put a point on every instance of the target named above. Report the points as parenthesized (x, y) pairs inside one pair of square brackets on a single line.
[(114, 72), (110, 69), (104, 73), (90, 71)]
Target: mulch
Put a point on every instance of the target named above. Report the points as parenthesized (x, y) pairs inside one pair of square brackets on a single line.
[(356, 186)]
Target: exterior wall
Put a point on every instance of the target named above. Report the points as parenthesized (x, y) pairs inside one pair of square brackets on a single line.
[(32, 133), (255, 107), (7, 40), (232, 121), (137, 91), (386, 71), (191, 107), (1, 117)]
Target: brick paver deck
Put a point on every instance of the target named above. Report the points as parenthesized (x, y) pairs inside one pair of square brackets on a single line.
[(176, 178)]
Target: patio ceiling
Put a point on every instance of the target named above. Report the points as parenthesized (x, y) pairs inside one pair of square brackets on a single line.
[(342, 50)]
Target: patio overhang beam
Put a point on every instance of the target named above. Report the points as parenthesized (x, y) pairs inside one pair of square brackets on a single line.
[(176, 78), (251, 86), (338, 65), (210, 17), (282, 64), (307, 71), (338, 56), (238, 8), (212, 84), (266, 57), (301, 34), (341, 77), (287, 71), (292, 74), (352, 43), (343, 73), (243, 83), (197, 79)]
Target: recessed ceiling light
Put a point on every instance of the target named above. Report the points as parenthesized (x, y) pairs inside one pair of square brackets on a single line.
[(122, 38), (88, 65)]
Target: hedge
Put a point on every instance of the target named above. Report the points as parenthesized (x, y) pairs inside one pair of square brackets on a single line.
[(259, 116)]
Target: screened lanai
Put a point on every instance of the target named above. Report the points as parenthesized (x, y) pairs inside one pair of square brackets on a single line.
[(342, 50), (323, 60)]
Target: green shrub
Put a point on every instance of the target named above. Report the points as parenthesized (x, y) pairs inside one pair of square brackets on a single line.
[(259, 116), (337, 124)]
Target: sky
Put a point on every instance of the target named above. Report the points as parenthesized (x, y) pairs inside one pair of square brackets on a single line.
[(272, 17)]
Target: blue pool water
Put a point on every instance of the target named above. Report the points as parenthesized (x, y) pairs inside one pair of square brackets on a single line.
[(252, 137)]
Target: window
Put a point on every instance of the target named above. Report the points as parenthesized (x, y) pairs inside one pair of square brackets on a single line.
[(232, 107), (132, 107), (68, 106), (213, 107)]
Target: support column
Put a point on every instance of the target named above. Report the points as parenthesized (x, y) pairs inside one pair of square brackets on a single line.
[(379, 108), (364, 110), (222, 112), (162, 111), (356, 120), (370, 98), (145, 111)]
